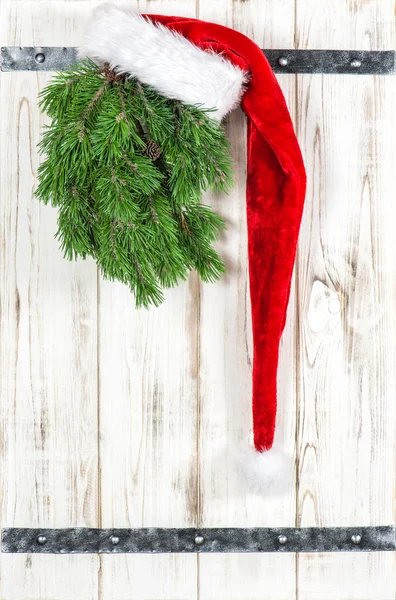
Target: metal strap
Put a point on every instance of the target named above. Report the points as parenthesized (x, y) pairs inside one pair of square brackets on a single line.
[(14, 58), (159, 540)]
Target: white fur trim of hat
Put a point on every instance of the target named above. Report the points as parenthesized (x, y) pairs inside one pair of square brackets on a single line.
[(163, 59)]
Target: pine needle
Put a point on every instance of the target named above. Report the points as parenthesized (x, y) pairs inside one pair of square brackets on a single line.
[(126, 169)]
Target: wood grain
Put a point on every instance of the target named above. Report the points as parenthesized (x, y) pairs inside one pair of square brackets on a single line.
[(148, 373), (226, 359), (346, 291), (48, 366), (114, 417)]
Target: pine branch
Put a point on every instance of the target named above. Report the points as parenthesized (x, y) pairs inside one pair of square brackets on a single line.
[(126, 168)]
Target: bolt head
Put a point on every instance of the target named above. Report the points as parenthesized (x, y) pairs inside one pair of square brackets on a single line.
[(282, 539), (115, 540), (283, 61), (40, 57), (199, 540), (356, 538), (41, 539)]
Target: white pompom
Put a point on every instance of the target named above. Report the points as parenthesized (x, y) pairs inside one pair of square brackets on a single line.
[(266, 472)]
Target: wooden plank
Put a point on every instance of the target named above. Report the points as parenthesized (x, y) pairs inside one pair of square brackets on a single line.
[(346, 291), (176, 379), (148, 424), (49, 461), (226, 357)]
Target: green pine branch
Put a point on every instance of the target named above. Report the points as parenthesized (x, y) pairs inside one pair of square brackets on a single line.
[(126, 169)]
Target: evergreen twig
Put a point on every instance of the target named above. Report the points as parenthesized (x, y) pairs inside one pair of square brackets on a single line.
[(126, 168)]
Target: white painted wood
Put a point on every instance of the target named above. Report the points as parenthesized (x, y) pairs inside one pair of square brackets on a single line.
[(226, 358), (346, 292), (149, 424), (48, 367), (173, 402)]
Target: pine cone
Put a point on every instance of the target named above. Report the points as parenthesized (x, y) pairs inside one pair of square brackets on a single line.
[(152, 150)]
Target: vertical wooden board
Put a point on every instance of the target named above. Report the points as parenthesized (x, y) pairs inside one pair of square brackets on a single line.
[(346, 294), (346, 576), (148, 424), (148, 441), (226, 357), (49, 461)]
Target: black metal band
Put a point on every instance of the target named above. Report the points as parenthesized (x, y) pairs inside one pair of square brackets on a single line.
[(27, 58), (340, 62), (363, 62), (160, 540)]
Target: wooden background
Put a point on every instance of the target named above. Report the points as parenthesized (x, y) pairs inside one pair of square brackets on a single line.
[(112, 417)]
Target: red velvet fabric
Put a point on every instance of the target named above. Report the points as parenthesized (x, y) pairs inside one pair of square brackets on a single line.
[(275, 190)]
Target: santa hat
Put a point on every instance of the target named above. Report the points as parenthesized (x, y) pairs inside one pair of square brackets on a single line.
[(218, 68)]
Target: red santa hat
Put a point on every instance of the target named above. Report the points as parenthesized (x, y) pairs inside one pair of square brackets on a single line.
[(215, 67)]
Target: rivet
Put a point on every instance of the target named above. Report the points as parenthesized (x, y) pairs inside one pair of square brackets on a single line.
[(199, 540), (356, 538), (356, 63), (283, 61), (282, 539), (41, 539), (39, 58), (115, 540)]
